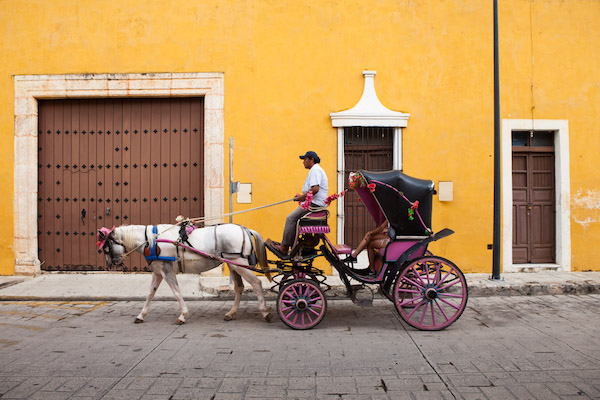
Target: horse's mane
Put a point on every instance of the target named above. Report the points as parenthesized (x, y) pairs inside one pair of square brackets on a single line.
[(128, 236)]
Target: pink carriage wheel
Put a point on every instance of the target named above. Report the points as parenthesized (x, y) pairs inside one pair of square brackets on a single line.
[(430, 293), (406, 295), (301, 304)]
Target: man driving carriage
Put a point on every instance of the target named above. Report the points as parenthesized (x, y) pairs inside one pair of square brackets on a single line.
[(315, 184)]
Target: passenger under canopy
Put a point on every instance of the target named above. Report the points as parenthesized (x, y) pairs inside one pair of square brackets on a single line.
[(386, 202)]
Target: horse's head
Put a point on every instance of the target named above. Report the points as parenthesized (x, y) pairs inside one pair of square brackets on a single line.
[(111, 246)]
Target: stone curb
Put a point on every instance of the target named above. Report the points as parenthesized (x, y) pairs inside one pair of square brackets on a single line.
[(537, 289), (335, 293)]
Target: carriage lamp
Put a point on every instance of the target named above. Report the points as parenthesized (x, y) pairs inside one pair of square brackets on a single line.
[(446, 191)]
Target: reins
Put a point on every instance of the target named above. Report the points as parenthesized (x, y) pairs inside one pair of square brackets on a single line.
[(202, 219)]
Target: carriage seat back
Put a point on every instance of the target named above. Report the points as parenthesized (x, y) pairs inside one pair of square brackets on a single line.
[(314, 222), (396, 248)]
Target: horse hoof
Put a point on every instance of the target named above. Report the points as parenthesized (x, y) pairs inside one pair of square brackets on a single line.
[(228, 317), (268, 317), (179, 322), (138, 321)]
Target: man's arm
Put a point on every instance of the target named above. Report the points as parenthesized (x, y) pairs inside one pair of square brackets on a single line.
[(302, 197)]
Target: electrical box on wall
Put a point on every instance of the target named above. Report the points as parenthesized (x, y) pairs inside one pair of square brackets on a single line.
[(446, 191), (244, 194)]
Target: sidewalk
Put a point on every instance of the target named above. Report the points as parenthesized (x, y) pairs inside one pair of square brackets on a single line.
[(134, 287)]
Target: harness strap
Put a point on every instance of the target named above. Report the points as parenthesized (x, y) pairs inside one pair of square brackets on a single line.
[(252, 257), (243, 239), (207, 255), (216, 241), (154, 249)]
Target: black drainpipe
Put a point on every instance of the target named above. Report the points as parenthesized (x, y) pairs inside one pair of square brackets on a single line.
[(497, 160)]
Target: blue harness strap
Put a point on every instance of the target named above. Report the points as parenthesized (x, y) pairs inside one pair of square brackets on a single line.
[(153, 256)]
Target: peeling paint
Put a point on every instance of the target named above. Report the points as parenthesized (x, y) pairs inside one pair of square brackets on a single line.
[(586, 203), (586, 222), (589, 200)]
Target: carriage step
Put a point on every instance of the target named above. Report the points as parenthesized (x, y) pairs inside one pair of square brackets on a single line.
[(362, 296)]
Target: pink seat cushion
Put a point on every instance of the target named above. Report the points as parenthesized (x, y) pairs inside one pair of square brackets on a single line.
[(342, 249), (316, 215)]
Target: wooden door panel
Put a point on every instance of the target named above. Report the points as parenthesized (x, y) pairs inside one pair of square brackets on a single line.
[(520, 254), (520, 231), (520, 196), (542, 253), (98, 156), (533, 208), (542, 196)]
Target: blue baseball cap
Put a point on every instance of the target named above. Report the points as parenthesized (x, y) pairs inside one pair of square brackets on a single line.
[(310, 154)]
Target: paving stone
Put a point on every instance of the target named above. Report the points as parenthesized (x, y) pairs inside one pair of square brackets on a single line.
[(229, 396), (540, 391), (266, 392), (520, 392), (473, 396), (26, 388), (497, 393), (193, 393), (432, 395), (300, 394), (537, 348), (588, 389), (123, 394), (51, 395)]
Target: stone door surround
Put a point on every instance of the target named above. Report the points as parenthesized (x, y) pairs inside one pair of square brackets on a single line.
[(30, 88)]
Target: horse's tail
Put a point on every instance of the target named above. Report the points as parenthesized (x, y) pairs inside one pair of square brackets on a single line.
[(261, 254)]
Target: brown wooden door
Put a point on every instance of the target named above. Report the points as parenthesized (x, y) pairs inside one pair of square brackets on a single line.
[(533, 208), (369, 149), (106, 162)]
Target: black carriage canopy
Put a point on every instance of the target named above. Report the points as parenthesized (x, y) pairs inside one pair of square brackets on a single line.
[(389, 188)]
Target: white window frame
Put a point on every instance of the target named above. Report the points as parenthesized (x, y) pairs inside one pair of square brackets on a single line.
[(341, 167), (368, 112), (562, 192), (30, 88)]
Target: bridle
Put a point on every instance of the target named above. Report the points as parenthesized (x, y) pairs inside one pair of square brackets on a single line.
[(106, 241)]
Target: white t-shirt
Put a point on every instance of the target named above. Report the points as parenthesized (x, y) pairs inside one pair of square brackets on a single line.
[(316, 176)]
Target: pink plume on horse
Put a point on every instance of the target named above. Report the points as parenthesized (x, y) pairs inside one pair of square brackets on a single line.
[(106, 232)]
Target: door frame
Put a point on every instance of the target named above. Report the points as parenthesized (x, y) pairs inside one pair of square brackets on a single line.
[(30, 88), (562, 192)]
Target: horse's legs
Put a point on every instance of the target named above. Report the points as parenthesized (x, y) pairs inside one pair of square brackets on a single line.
[(257, 286), (169, 276), (238, 288), (156, 280)]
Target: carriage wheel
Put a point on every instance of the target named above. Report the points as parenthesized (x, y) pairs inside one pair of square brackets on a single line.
[(407, 295), (430, 293), (404, 297), (301, 304)]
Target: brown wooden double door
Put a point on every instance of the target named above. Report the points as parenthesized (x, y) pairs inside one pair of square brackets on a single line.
[(534, 226), (106, 162)]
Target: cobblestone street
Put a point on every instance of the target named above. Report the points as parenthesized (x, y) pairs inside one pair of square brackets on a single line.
[(544, 347)]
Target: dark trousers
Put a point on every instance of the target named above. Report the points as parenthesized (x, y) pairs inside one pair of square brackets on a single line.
[(289, 231)]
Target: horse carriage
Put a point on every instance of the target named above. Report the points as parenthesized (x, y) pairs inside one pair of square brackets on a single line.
[(429, 292)]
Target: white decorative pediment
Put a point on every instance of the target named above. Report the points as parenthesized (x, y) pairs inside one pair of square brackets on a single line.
[(369, 111)]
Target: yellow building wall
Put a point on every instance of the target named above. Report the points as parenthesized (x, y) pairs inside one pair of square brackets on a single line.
[(288, 64), (550, 58)]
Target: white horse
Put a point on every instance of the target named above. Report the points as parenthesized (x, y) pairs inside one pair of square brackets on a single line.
[(215, 244)]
